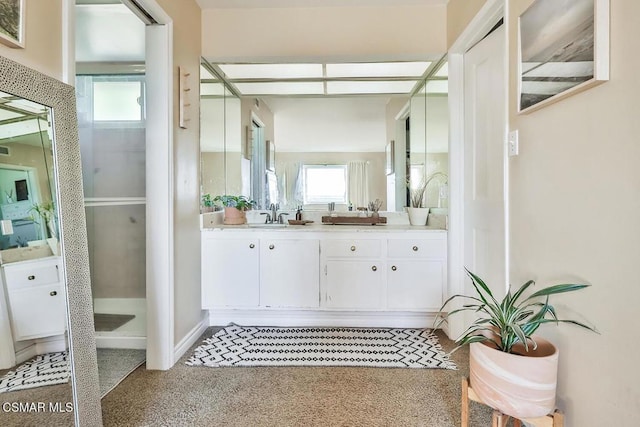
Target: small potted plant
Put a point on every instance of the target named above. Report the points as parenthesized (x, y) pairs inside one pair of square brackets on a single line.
[(207, 203), (510, 369), (418, 212), (235, 208), (47, 212)]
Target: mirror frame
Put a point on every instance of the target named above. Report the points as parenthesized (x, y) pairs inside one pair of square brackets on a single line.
[(24, 82)]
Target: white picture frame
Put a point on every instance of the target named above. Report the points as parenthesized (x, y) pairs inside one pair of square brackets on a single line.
[(563, 49), (12, 17)]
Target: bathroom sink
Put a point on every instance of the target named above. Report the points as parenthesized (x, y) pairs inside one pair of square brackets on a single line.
[(263, 225)]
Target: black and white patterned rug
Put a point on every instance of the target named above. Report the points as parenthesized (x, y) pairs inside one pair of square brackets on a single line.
[(372, 347), (45, 369)]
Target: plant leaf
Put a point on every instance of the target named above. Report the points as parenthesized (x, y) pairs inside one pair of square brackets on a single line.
[(557, 289)]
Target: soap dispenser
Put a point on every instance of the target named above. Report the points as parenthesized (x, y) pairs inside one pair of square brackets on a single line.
[(299, 214)]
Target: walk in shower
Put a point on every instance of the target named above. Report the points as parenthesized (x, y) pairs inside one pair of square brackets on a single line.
[(112, 141), (110, 88)]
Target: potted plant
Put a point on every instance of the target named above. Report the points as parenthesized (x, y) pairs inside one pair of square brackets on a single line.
[(511, 369), (418, 212), (235, 208), (207, 203), (47, 212)]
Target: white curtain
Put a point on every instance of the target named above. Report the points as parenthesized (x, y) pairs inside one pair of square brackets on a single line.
[(359, 183)]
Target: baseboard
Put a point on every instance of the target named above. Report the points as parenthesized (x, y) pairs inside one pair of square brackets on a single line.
[(135, 343), (283, 317), (191, 337), (41, 346)]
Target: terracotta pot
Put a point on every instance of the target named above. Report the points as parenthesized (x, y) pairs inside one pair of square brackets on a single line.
[(519, 386), (234, 216)]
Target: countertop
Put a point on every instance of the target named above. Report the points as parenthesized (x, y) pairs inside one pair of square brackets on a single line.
[(400, 228), (397, 222)]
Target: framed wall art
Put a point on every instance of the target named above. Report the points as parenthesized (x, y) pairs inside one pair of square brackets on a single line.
[(563, 50), (12, 23)]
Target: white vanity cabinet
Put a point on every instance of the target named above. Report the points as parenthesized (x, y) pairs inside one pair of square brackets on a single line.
[(354, 273), (289, 273), (230, 271), (36, 298), (324, 276), (416, 273)]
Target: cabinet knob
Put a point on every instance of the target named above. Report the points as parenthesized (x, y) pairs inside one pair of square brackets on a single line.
[(53, 293), (353, 248), (252, 246), (271, 247), (415, 249), (394, 268), (374, 268), (31, 277)]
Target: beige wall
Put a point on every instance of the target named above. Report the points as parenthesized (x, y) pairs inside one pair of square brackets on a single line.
[(43, 38), (213, 176), (367, 33), (186, 18), (459, 14), (575, 204)]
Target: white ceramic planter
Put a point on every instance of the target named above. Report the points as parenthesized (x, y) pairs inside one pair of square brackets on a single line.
[(418, 216), (519, 386)]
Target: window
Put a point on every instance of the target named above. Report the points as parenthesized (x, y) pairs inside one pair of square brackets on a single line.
[(118, 99), (324, 184)]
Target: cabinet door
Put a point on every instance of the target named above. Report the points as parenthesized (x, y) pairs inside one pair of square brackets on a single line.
[(289, 273), (354, 284), (37, 311), (415, 284), (230, 273)]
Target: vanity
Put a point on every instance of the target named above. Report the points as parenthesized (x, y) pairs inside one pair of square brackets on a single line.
[(324, 275), (32, 304)]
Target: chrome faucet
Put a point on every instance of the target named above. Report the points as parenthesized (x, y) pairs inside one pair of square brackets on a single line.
[(273, 217)]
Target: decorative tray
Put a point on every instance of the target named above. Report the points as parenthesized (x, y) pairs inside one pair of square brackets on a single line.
[(299, 221), (354, 220)]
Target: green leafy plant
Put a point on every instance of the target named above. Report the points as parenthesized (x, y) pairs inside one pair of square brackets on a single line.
[(510, 321), (417, 194), (242, 203), (207, 200), (46, 211)]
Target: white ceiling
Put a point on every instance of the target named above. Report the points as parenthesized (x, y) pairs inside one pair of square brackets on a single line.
[(382, 78), (233, 4)]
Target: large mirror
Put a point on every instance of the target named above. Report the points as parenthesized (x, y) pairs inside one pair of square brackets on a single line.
[(309, 134), (46, 328)]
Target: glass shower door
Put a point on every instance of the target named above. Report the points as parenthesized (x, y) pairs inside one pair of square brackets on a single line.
[(112, 141)]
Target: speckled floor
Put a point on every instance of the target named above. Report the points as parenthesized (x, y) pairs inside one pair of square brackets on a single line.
[(200, 396)]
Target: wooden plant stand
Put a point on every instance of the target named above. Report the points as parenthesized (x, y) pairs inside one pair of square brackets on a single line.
[(499, 419)]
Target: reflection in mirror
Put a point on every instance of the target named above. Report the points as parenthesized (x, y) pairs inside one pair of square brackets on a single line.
[(221, 138), (287, 140), (428, 139), (34, 363)]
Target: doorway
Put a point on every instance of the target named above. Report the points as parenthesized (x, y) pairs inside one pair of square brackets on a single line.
[(152, 185)]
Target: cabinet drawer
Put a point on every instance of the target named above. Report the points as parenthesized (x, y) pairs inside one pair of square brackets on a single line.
[(357, 248), (19, 276), (37, 311), (418, 248)]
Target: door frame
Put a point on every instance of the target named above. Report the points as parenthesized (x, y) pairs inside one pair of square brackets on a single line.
[(159, 190), (480, 25)]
